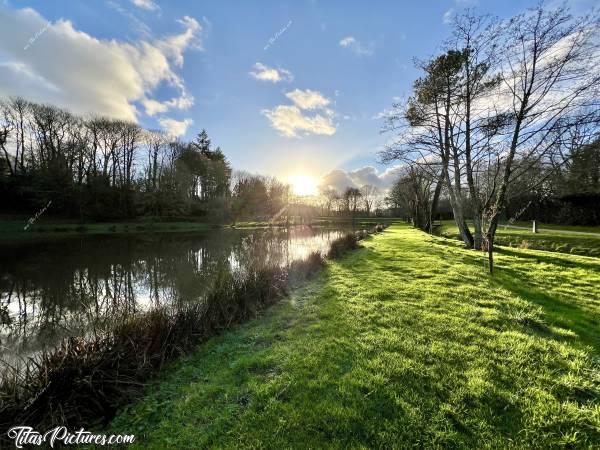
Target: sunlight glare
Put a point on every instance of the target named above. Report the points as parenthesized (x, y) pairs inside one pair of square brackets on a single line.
[(303, 185)]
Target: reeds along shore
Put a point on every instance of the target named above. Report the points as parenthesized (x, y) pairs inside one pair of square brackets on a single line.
[(83, 382)]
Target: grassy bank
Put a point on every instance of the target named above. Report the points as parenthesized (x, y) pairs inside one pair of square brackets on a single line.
[(576, 244), (358, 222), (14, 229), (85, 380), (405, 342)]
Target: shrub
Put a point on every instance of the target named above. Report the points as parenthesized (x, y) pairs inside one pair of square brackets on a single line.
[(342, 245), (302, 269), (361, 234)]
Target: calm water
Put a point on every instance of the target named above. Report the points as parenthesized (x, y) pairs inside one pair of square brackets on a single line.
[(78, 286)]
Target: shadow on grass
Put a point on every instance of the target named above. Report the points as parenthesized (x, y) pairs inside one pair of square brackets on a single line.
[(551, 258), (560, 313)]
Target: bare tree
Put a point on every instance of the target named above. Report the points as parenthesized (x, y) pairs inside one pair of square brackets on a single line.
[(368, 194), (425, 133), (330, 196), (412, 194), (496, 105), (5, 131), (550, 84), (351, 198)]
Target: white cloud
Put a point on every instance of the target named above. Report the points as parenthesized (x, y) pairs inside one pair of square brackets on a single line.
[(384, 114), (340, 179), (266, 73), (139, 25), (290, 121), (357, 47), (174, 46), (174, 127), (307, 99), (448, 16), (74, 70), (152, 107), (347, 41), (337, 179), (148, 5)]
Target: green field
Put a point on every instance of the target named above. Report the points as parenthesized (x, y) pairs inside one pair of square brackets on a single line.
[(550, 226), (577, 244), (404, 343)]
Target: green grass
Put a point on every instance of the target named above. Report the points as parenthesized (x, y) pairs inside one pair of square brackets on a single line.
[(544, 240), (406, 342), (550, 226), (14, 229)]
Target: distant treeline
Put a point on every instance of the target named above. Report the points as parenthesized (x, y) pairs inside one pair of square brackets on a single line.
[(102, 169)]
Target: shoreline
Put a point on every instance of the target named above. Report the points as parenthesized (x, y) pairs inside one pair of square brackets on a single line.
[(12, 230)]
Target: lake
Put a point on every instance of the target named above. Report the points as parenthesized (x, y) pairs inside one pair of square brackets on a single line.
[(80, 286)]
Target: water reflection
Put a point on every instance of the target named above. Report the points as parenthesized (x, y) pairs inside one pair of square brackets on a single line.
[(81, 286)]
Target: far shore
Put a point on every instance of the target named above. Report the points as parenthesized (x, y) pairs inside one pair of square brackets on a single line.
[(16, 229)]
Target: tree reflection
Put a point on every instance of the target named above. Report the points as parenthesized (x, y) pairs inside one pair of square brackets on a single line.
[(83, 286)]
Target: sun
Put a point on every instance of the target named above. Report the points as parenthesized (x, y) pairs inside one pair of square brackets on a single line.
[(303, 185)]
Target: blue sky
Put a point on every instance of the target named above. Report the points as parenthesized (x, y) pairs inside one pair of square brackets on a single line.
[(346, 61)]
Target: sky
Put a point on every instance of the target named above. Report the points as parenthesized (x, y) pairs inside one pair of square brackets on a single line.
[(285, 88)]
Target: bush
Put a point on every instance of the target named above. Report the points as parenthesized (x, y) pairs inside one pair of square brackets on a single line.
[(361, 234), (342, 245)]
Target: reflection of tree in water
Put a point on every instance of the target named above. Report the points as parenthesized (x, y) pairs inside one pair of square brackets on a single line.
[(82, 286)]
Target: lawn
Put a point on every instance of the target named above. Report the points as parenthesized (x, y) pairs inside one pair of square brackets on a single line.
[(547, 239), (406, 342), (551, 226)]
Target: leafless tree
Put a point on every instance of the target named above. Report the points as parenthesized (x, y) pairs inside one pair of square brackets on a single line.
[(499, 102), (368, 194), (550, 85)]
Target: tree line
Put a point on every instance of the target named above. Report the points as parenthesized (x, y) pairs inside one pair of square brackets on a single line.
[(507, 112), (100, 168), (366, 200)]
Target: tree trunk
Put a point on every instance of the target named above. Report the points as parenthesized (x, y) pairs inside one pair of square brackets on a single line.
[(478, 231), (434, 202), (459, 216), (490, 249)]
